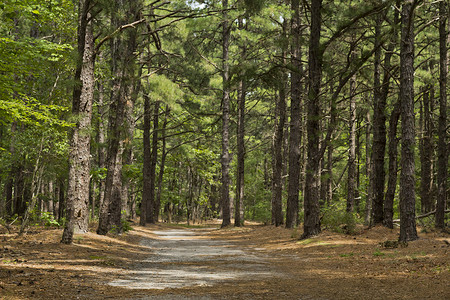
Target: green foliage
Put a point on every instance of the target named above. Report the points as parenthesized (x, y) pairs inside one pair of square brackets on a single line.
[(48, 220), (126, 226), (337, 219)]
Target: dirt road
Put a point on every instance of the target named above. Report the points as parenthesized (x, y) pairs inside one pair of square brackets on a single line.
[(254, 262), (187, 258)]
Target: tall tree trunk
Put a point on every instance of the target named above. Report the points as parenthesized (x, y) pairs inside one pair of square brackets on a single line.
[(238, 215), (146, 205), (277, 145), (129, 125), (295, 133), (277, 185), (77, 205), (369, 177), (379, 132), (393, 168), (358, 169), (225, 160), (351, 173), (311, 199), (426, 153), (163, 156), (408, 230), (122, 52), (101, 140), (240, 136), (156, 206), (381, 93), (442, 149)]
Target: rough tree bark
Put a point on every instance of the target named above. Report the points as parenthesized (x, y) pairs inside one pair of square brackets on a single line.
[(153, 218), (101, 140), (368, 163), (442, 172), (408, 230), (295, 133), (312, 221), (123, 54), (379, 132), (277, 183), (240, 135), (351, 173), (225, 159), (238, 216), (426, 153), (163, 156), (77, 211), (388, 210), (393, 167), (146, 171)]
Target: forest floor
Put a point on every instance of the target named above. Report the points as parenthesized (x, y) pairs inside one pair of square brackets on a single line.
[(253, 262)]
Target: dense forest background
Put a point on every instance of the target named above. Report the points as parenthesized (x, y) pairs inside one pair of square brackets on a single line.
[(321, 113)]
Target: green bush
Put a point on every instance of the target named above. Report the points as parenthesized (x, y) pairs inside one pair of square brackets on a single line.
[(48, 219), (337, 219)]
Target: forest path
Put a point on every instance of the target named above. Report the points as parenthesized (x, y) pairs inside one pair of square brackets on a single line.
[(189, 258)]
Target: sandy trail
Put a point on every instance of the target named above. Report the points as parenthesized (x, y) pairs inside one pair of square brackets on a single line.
[(186, 258)]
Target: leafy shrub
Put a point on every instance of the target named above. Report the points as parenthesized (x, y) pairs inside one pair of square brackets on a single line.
[(337, 219), (48, 219), (126, 225)]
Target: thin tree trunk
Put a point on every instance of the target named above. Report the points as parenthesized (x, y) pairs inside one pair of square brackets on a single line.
[(101, 141), (329, 197), (393, 168), (277, 217), (351, 173), (61, 198), (225, 160), (442, 172), (77, 212), (163, 156), (36, 182), (278, 142), (238, 216), (426, 153), (295, 132), (379, 132), (156, 206), (146, 206), (128, 149), (408, 230)]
